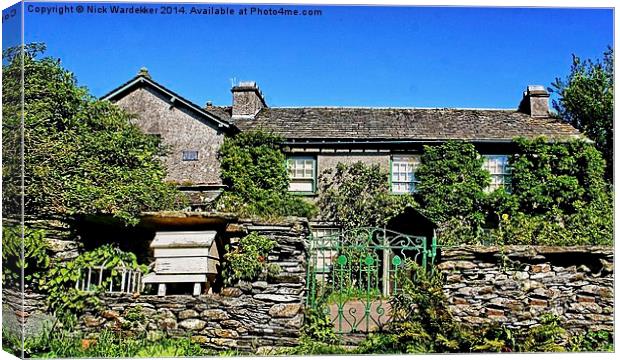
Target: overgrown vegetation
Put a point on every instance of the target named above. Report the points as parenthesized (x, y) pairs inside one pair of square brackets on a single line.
[(58, 282), (358, 195), (81, 155), (248, 259), (586, 101), (254, 170), (422, 323), (560, 196), (452, 183), (34, 261)]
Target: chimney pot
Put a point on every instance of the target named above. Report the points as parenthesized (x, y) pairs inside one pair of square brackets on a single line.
[(535, 101)]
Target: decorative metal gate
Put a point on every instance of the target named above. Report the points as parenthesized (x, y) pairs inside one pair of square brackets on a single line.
[(351, 276)]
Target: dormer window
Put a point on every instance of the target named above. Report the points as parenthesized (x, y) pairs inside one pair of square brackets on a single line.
[(190, 155)]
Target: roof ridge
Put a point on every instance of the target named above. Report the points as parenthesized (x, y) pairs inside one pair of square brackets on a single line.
[(392, 108)]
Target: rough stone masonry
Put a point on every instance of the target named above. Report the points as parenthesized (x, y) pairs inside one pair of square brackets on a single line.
[(515, 285)]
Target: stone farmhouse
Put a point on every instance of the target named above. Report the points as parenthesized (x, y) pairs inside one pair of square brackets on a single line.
[(318, 138)]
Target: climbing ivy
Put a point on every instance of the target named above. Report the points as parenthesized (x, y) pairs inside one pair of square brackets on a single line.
[(34, 260), (253, 167), (452, 183)]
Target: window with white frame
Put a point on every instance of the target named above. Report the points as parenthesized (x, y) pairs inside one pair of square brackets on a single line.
[(302, 173), (403, 173), (324, 249), (501, 173)]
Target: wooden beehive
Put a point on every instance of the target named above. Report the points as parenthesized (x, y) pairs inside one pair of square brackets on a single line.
[(184, 257)]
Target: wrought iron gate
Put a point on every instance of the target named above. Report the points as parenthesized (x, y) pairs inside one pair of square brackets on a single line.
[(352, 275)]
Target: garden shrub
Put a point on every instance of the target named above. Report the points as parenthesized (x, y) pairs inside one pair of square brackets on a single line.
[(248, 260), (559, 195), (34, 262), (452, 183), (358, 195), (253, 167)]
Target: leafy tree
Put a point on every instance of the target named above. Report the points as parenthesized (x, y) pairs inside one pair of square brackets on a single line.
[(81, 155), (586, 101), (358, 195), (452, 183), (254, 169)]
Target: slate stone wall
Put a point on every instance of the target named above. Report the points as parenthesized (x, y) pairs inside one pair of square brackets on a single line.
[(330, 161), (180, 130), (517, 284), (253, 316)]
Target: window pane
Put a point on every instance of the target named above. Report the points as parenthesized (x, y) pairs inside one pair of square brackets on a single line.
[(403, 172)]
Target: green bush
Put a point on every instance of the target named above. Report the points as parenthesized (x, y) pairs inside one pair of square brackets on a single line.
[(552, 175), (559, 195), (452, 183), (34, 262), (255, 172), (248, 259), (358, 195)]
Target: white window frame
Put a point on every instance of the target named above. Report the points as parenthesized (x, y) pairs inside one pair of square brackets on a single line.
[(402, 173), (501, 174), (299, 174)]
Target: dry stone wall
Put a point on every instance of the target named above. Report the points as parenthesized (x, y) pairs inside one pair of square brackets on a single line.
[(516, 285)]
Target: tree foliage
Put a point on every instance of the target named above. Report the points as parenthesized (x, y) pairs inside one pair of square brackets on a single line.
[(254, 170), (560, 196), (452, 183), (358, 195), (81, 155), (556, 175), (586, 101)]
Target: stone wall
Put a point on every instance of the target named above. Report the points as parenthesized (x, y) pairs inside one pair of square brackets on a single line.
[(249, 316), (517, 284), (180, 130)]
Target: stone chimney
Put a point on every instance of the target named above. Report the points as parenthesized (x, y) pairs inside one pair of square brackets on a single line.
[(535, 101), (247, 100)]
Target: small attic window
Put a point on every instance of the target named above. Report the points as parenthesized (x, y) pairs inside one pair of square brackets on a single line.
[(190, 155)]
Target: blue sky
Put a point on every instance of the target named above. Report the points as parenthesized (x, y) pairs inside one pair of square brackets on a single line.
[(348, 56)]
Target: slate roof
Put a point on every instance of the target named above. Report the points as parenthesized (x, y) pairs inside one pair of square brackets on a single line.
[(325, 123), (143, 80)]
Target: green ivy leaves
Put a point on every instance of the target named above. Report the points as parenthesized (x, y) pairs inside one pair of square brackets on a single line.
[(254, 168)]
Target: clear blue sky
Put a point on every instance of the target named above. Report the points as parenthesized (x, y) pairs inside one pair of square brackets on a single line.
[(356, 56)]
